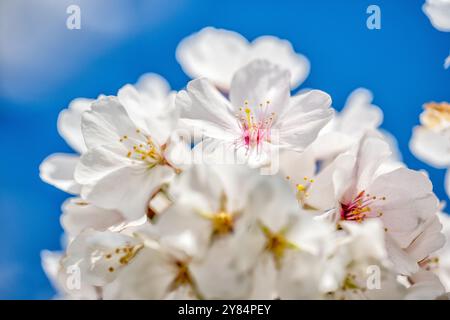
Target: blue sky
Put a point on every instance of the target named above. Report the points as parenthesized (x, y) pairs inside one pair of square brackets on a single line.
[(44, 66)]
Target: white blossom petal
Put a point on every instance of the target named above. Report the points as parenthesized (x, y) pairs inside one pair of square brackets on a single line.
[(79, 215), (204, 108), (438, 11), (431, 147), (58, 170), (280, 52), (100, 256), (217, 54), (260, 82), (69, 123), (212, 53)]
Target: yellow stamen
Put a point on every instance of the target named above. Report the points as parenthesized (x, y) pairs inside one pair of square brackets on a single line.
[(183, 276), (249, 118), (277, 244)]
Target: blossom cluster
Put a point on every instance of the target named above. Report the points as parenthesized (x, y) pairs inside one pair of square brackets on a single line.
[(237, 188)]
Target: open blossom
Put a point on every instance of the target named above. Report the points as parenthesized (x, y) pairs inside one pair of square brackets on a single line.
[(401, 198), (259, 116), (149, 98), (125, 164), (217, 54)]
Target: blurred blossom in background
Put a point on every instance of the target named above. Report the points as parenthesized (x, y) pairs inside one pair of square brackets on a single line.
[(44, 65)]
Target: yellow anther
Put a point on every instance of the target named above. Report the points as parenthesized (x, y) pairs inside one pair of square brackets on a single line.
[(223, 223), (349, 283), (222, 220), (435, 114), (183, 276), (277, 244), (130, 253), (249, 121)]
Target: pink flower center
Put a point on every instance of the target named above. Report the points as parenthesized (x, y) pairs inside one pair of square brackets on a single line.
[(360, 208), (255, 124)]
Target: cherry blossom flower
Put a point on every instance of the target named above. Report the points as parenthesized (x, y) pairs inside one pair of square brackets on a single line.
[(125, 164), (149, 98), (260, 115), (401, 198)]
